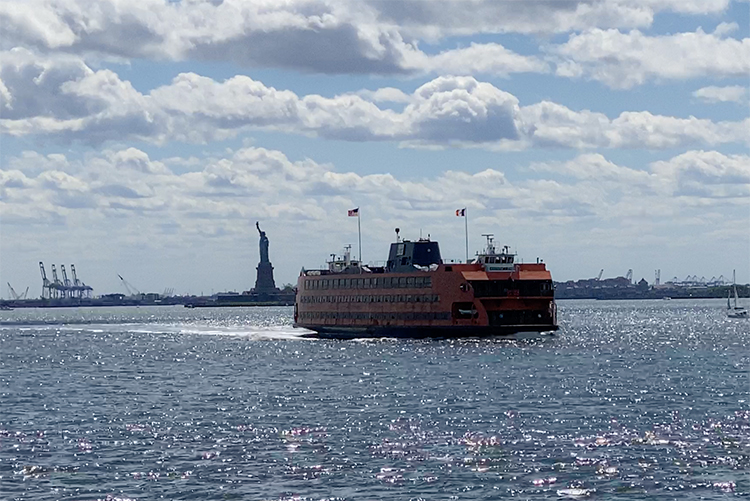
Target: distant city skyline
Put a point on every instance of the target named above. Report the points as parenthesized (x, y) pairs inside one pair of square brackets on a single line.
[(146, 138)]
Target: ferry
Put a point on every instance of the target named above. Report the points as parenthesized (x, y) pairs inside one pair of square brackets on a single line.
[(417, 295)]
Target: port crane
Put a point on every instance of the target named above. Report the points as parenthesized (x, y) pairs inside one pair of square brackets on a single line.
[(66, 282), (81, 288), (132, 290), (56, 283), (599, 277), (46, 286), (15, 295)]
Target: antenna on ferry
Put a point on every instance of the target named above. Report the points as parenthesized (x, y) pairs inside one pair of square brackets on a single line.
[(397, 237), (490, 247)]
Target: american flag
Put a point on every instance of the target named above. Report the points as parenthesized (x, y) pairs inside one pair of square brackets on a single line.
[(354, 212)]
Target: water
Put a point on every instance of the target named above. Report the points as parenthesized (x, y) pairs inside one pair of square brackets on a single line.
[(630, 400)]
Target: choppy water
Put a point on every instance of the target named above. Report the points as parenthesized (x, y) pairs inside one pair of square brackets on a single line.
[(630, 400)]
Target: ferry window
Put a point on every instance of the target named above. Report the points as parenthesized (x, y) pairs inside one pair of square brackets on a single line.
[(402, 282), (325, 284), (410, 282), (360, 283), (409, 298), (419, 282), (449, 268), (428, 281), (400, 250)]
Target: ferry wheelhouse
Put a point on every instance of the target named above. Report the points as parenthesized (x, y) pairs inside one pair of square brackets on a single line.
[(416, 294)]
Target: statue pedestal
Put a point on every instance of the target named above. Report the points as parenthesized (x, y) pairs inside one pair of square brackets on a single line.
[(264, 282)]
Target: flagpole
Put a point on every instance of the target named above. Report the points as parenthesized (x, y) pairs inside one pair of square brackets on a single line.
[(466, 228), (359, 231)]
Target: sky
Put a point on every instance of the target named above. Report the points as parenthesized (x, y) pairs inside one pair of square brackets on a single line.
[(145, 138)]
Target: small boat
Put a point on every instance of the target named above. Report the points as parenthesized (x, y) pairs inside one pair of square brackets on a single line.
[(5, 307), (734, 311)]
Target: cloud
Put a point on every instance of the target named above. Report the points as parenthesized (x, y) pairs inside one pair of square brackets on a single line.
[(624, 60), (255, 180), (452, 17), (706, 174), (728, 94), (554, 125), (65, 100), (122, 201), (256, 183), (369, 37), (304, 35)]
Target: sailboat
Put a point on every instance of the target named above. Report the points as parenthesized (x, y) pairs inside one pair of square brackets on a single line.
[(735, 311)]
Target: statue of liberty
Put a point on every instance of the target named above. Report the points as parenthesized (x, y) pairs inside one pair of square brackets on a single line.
[(263, 244)]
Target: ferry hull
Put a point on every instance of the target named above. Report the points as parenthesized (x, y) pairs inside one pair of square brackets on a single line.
[(446, 332)]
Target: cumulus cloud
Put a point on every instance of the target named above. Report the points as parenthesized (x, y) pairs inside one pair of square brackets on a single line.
[(623, 60), (554, 125), (728, 94), (439, 17), (306, 35), (66, 100), (124, 199), (706, 174), (335, 36), (223, 185)]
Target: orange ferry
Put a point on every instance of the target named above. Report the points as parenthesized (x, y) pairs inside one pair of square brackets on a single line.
[(417, 295)]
